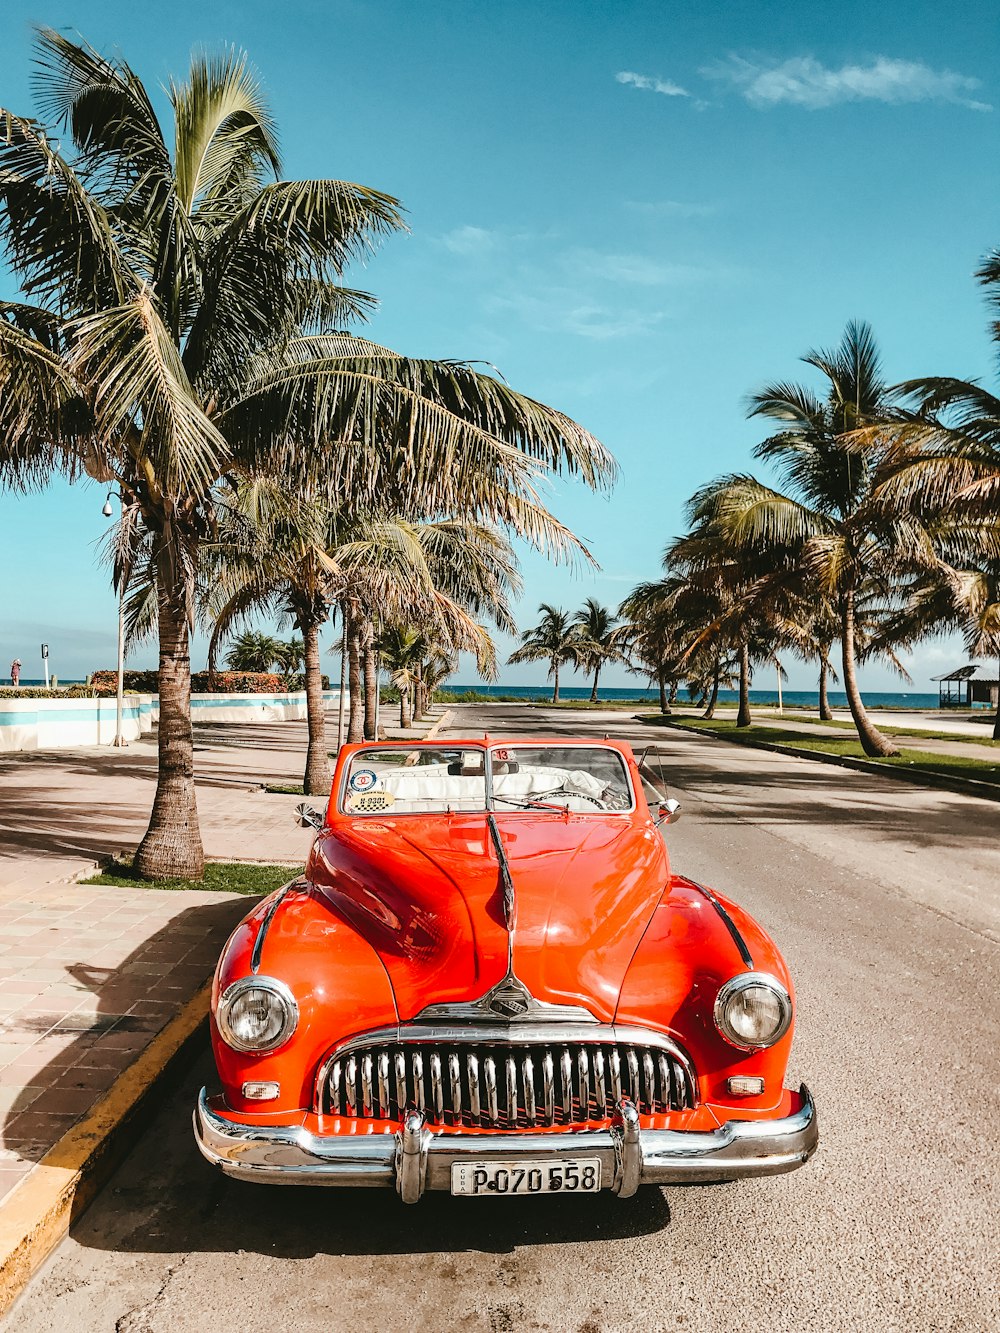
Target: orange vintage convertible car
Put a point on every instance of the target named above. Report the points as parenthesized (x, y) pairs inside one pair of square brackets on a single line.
[(488, 981)]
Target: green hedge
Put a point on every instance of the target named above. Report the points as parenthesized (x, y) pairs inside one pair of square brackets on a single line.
[(40, 692)]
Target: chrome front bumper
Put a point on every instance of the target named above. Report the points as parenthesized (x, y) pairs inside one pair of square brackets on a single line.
[(416, 1159)]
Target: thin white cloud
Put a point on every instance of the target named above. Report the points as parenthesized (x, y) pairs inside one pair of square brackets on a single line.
[(665, 86), (556, 310), (803, 81), (469, 240), (670, 208), (639, 270)]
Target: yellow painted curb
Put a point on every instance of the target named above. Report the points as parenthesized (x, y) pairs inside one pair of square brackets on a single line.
[(37, 1213)]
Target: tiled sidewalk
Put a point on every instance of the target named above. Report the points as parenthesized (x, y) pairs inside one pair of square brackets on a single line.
[(88, 973)]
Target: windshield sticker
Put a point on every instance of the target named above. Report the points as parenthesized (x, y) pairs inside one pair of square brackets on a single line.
[(365, 802), (364, 780), (503, 755)]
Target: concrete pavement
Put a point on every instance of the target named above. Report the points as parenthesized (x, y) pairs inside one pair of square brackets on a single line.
[(884, 899)]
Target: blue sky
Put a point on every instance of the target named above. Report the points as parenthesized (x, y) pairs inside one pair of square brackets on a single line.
[(638, 212)]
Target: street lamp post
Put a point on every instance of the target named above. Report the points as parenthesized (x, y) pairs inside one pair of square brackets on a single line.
[(119, 740)]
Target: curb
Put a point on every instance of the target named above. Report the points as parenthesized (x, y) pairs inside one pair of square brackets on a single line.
[(987, 791), (39, 1211)]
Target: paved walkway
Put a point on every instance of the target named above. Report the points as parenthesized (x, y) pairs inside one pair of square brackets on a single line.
[(90, 973)]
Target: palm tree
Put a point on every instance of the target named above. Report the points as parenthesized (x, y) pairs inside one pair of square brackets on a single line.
[(555, 639), (164, 351), (649, 638), (401, 649), (254, 652), (832, 522), (290, 657), (297, 565), (597, 633)]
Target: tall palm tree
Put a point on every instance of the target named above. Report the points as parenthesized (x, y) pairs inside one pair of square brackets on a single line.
[(163, 352), (832, 521), (598, 645), (555, 639)]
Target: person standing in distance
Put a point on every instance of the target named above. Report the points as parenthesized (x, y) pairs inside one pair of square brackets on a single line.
[(15, 671)]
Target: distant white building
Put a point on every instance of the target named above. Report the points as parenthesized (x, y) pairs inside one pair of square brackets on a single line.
[(967, 687)]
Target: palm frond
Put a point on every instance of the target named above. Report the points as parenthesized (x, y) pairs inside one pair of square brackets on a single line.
[(225, 136), (141, 395)]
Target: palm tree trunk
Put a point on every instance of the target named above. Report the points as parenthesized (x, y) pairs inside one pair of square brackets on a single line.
[(405, 715), (743, 716), (597, 676), (356, 714), (371, 679), (672, 696), (172, 842), (825, 715), (661, 680), (317, 779), (555, 690), (996, 720), (419, 695), (716, 675), (874, 744)]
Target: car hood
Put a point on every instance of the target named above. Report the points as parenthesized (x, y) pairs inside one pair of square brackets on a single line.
[(426, 893)]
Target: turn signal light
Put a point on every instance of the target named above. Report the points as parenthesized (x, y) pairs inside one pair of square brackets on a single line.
[(741, 1085), (261, 1092)]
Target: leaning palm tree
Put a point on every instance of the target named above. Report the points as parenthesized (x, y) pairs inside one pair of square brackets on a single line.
[(170, 285), (831, 520), (598, 645), (555, 639)]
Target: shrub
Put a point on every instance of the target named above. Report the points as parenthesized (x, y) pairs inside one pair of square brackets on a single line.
[(105, 683)]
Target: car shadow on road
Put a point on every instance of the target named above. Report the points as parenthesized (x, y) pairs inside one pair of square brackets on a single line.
[(164, 1198)]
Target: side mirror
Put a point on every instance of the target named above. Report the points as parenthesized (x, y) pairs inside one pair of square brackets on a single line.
[(307, 817), (668, 812)]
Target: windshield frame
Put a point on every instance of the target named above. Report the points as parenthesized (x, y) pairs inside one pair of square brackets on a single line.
[(494, 804)]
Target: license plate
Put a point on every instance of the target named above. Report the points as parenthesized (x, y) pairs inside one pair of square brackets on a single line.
[(566, 1175)]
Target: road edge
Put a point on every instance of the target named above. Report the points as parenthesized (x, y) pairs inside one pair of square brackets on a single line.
[(963, 786), (39, 1211)]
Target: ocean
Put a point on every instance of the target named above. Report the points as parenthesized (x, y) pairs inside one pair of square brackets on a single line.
[(790, 698)]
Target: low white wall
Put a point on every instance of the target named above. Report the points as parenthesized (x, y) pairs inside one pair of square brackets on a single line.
[(252, 707), (60, 724)]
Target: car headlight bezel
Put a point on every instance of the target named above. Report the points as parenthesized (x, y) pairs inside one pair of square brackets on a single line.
[(735, 987), (279, 995)]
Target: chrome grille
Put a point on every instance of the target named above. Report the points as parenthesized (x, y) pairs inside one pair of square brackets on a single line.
[(504, 1085)]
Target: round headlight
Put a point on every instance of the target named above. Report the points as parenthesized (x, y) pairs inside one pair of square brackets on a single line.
[(752, 1011), (256, 1014)]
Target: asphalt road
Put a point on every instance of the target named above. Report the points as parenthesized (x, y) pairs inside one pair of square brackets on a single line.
[(886, 902)]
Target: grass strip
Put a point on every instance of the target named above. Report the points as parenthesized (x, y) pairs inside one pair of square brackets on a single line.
[(220, 877), (945, 765)]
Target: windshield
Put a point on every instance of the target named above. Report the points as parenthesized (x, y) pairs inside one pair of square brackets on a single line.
[(421, 779)]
